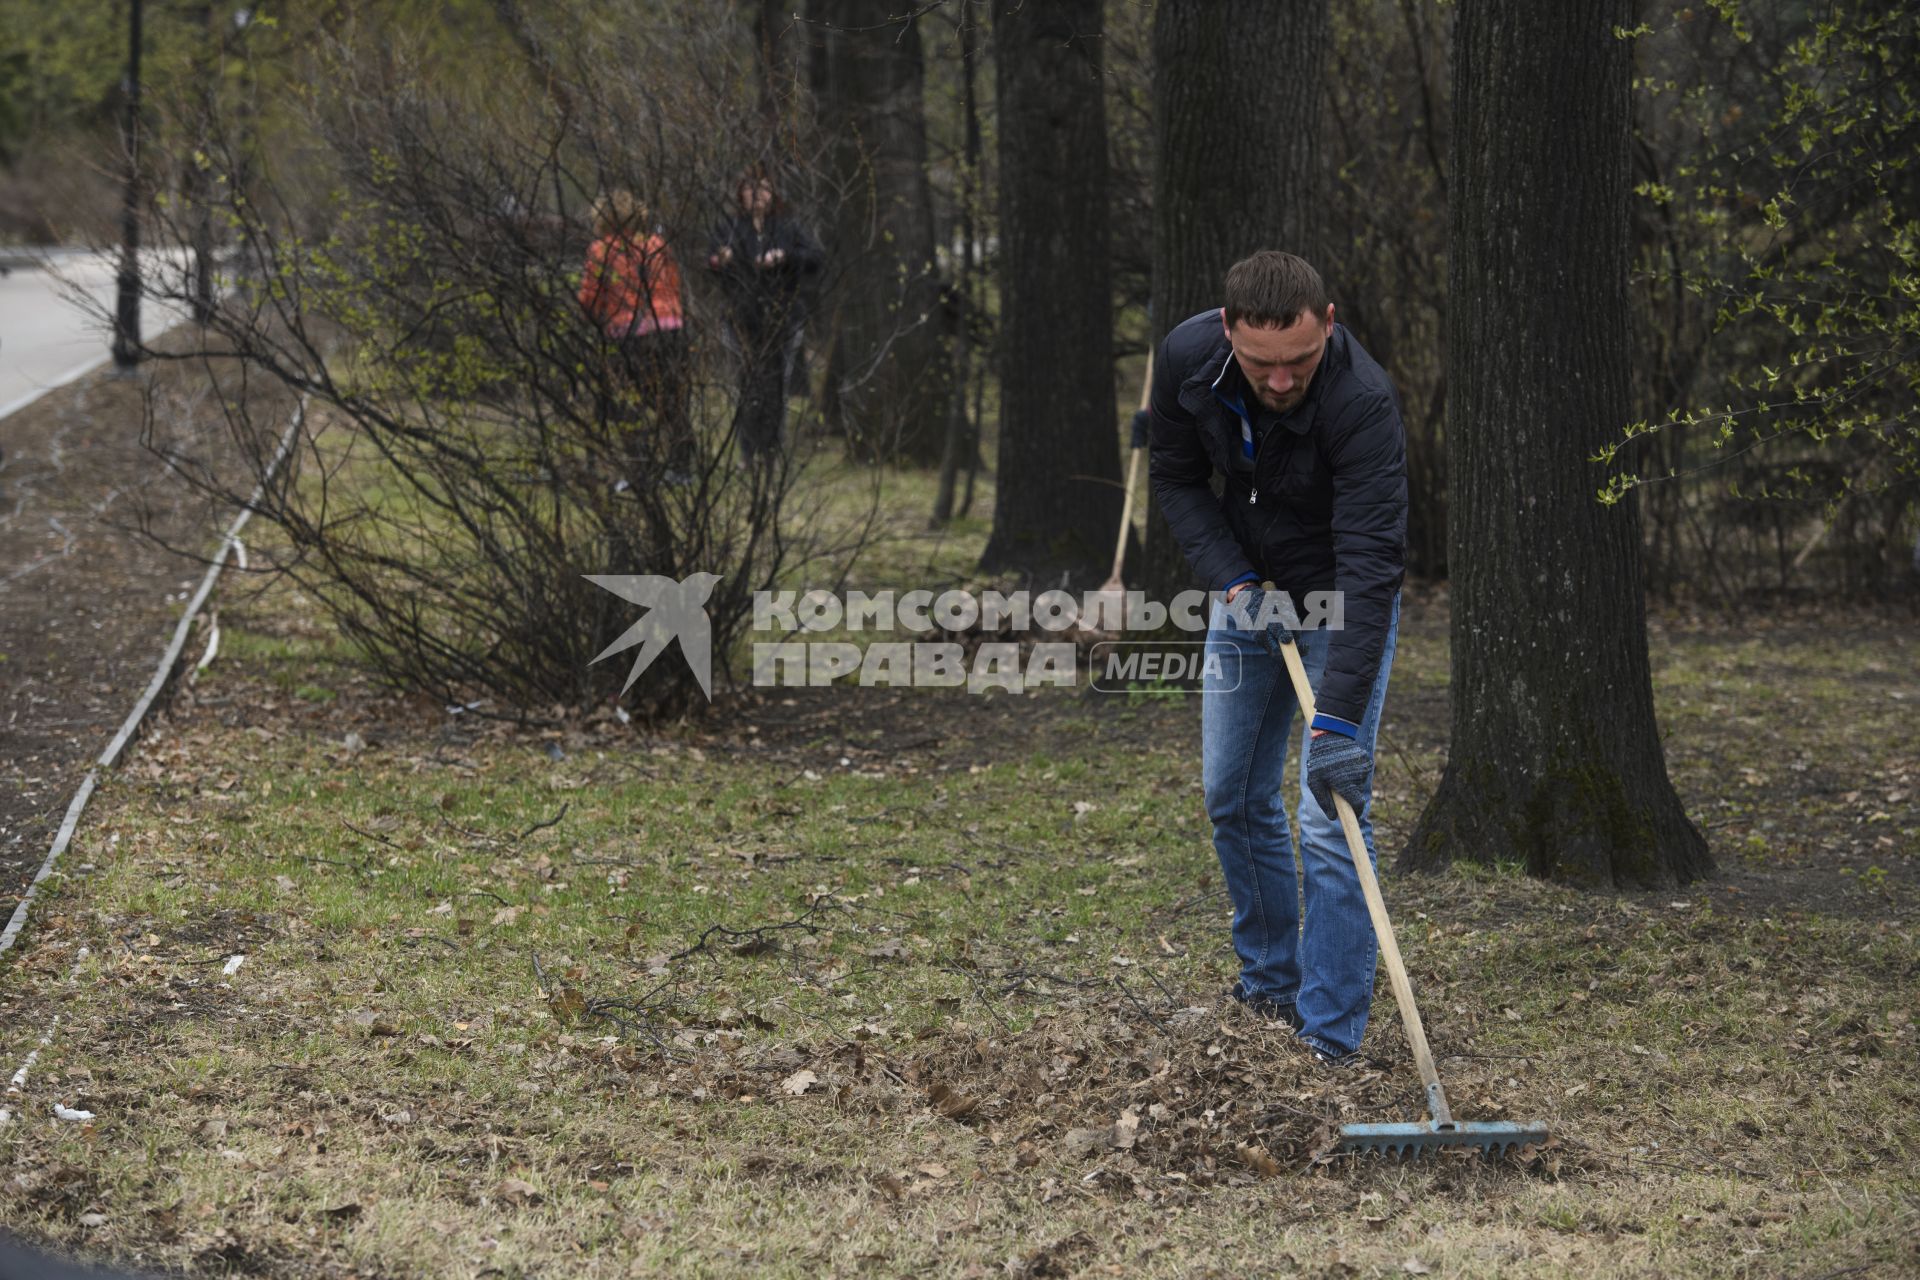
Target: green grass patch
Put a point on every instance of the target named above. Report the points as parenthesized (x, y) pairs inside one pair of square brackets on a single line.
[(866, 984)]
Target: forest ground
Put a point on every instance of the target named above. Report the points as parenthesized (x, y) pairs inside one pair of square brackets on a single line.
[(965, 1015)]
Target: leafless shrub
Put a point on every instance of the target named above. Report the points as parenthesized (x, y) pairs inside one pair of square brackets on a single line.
[(476, 441)]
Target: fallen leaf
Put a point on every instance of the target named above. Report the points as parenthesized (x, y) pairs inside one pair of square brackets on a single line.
[(514, 1191), (951, 1103), (373, 1024), (1260, 1160), (1084, 1142), (1414, 1267), (799, 1082), (1126, 1129)]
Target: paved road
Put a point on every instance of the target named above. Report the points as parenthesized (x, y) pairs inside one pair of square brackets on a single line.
[(47, 336)]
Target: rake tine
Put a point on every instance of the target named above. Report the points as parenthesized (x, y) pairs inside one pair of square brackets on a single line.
[(1495, 1138)]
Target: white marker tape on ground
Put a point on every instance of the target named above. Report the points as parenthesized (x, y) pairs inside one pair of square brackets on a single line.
[(213, 642), (159, 682), (19, 1081)]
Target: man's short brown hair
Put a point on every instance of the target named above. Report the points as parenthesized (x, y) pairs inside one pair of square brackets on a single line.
[(1270, 289)]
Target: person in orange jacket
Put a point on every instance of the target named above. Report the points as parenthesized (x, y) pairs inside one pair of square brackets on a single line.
[(631, 288)]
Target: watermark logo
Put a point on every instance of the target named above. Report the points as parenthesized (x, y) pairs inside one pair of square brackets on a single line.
[(675, 610), (1173, 666), (991, 640)]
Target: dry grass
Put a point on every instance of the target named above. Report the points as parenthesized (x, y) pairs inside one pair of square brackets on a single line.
[(461, 1047)]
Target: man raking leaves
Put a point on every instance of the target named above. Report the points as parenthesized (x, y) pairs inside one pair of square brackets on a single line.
[(1304, 427)]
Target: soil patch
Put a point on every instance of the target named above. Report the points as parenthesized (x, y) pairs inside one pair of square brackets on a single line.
[(100, 543)]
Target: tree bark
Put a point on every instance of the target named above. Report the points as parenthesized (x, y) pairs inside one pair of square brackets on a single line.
[(1556, 761), (1236, 169), (887, 366), (1057, 494), (778, 50), (208, 63), (963, 431)]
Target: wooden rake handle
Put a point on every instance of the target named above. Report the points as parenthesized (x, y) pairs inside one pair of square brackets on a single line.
[(1133, 474), (1377, 908)]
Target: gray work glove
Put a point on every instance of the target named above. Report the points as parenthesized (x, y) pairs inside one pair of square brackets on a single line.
[(1338, 765), (1247, 608), (1278, 634)]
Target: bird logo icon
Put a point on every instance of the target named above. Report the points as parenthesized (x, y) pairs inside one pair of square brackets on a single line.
[(674, 610)]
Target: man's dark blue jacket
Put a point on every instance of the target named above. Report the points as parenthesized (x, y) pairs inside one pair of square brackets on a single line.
[(1322, 507)]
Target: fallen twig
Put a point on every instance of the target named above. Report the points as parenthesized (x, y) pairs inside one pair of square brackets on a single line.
[(1179, 909), (358, 868), (1139, 1004), (554, 821), (759, 934), (1172, 1003), (372, 835), (610, 1011)]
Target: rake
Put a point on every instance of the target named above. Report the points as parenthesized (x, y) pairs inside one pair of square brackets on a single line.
[(1442, 1132), (1111, 600)]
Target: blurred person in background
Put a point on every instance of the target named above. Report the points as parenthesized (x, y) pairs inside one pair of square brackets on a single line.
[(631, 288), (765, 259)]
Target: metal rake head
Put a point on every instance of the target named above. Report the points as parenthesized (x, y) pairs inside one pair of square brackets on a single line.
[(1495, 1137)]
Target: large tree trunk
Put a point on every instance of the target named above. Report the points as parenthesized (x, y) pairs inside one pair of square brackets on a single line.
[(1556, 761), (779, 53), (963, 430), (1057, 496), (1236, 168), (887, 366)]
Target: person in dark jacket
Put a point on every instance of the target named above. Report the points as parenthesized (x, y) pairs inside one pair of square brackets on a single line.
[(1303, 427), (765, 259)]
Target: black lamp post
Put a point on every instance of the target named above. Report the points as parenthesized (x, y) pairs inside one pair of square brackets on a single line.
[(126, 315)]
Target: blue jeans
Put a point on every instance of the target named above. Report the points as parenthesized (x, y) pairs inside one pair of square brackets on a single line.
[(1323, 964)]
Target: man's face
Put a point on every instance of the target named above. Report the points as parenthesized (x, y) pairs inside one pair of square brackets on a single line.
[(1280, 363)]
